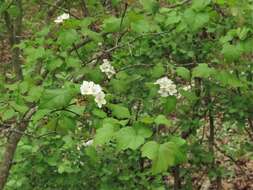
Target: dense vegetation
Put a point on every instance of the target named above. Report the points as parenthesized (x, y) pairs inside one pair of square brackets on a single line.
[(126, 94)]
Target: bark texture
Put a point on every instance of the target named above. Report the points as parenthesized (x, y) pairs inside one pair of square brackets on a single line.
[(11, 147)]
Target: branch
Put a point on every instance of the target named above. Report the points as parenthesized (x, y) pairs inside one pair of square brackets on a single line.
[(85, 9), (77, 53), (139, 37), (54, 7), (83, 43), (31, 135)]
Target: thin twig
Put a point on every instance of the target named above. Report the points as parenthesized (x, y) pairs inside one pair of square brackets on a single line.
[(83, 43), (77, 53)]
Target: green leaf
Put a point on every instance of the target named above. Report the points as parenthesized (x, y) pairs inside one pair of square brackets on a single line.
[(200, 4), (169, 104), (34, 94), (150, 5), (73, 62), (8, 114), (119, 85), (13, 10), (132, 137), (202, 71), (163, 155), (104, 134), (232, 52), (243, 33), (183, 72), (40, 114), (149, 150), (54, 64), (158, 70), (34, 53), (91, 152), (172, 18), (66, 124), (247, 45), (56, 98), (140, 26), (52, 124), (161, 119), (228, 79), (119, 111), (94, 74), (65, 166), (179, 148), (111, 24), (147, 119), (127, 138), (195, 20), (143, 131), (116, 2), (99, 113), (110, 121), (67, 38), (21, 108)]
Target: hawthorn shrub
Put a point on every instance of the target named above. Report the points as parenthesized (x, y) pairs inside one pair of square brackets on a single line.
[(115, 95)]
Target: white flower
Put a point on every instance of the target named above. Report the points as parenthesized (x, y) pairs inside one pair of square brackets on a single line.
[(107, 68), (193, 83), (61, 18), (186, 88), (167, 87), (65, 16), (96, 89), (100, 99), (87, 88), (88, 143), (164, 81), (90, 88)]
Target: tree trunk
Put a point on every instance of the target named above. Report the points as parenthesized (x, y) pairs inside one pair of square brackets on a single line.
[(8, 157), (11, 147), (177, 178)]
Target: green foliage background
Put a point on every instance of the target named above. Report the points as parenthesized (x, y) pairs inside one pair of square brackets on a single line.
[(139, 137)]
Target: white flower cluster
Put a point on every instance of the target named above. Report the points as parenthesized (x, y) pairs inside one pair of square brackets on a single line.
[(61, 18), (90, 88), (186, 88), (107, 68), (84, 144), (88, 143), (167, 87)]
